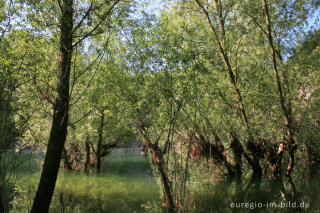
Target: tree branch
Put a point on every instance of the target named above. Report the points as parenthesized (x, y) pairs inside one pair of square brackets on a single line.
[(103, 18), (83, 18)]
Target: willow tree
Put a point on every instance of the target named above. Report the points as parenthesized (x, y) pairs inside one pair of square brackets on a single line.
[(259, 92), (281, 24), (304, 80), (6, 122), (220, 22)]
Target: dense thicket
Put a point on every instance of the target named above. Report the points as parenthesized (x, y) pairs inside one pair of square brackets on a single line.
[(232, 82)]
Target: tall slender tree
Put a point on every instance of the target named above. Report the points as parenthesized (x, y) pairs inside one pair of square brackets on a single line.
[(68, 41), (285, 105), (60, 113)]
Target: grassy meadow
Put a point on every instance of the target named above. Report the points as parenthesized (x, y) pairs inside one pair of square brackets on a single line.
[(126, 185), (123, 186)]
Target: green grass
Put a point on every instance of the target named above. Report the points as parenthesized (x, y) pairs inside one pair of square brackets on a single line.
[(123, 186), (126, 163)]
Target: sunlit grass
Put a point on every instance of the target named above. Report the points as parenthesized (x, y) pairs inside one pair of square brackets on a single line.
[(123, 186)]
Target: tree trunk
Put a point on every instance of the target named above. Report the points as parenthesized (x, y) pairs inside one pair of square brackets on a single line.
[(223, 155), (157, 159), (58, 132), (292, 189), (291, 150), (87, 163), (311, 162), (237, 150), (106, 148), (166, 185), (66, 161), (285, 106), (1, 202), (100, 140), (274, 159), (255, 154)]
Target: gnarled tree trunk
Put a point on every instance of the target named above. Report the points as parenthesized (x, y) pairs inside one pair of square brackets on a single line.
[(274, 159), (223, 155), (157, 159), (159, 162)]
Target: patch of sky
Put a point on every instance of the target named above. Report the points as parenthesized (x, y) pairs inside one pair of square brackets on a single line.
[(290, 36), (151, 7)]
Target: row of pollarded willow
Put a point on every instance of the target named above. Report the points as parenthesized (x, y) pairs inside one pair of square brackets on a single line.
[(218, 18), (183, 75), (251, 145)]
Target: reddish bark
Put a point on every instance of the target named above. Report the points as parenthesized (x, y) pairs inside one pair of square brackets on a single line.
[(274, 158), (157, 159)]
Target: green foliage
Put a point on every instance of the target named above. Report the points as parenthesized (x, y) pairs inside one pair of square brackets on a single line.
[(164, 70), (305, 65)]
